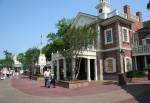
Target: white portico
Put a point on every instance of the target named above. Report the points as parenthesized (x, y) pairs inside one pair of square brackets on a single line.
[(59, 63)]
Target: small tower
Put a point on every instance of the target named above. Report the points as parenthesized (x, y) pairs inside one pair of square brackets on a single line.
[(104, 7), (42, 59)]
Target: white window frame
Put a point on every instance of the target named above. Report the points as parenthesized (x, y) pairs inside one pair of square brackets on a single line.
[(125, 63), (114, 64), (109, 29), (128, 40)]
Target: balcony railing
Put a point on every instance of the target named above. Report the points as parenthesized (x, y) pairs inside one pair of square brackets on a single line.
[(116, 12), (141, 50)]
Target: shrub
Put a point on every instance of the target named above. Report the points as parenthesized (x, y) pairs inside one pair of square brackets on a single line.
[(131, 74)]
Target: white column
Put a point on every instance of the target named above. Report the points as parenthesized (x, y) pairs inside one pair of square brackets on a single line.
[(101, 69), (88, 70), (98, 37), (135, 63), (95, 65), (58, 76), (65, 72), (52, 67), (145, 60), (122, 64)]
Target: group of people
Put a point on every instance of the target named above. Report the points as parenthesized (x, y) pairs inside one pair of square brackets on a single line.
[(7, 74), (49, 78)]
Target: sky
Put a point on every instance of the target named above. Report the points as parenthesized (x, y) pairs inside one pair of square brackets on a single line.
[(23, 21)]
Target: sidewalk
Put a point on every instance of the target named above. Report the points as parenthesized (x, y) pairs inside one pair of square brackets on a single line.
[(37, 88), (138, 92)]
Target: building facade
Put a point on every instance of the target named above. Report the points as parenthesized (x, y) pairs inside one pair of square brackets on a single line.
[(141, 49), (112, 49)]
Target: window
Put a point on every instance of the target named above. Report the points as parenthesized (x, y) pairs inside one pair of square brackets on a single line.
[(125, 34), (128, 64), (146, 41), (108, 36), (110, 65)]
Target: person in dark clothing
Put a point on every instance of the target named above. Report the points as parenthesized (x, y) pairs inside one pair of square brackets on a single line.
[(53, 80)]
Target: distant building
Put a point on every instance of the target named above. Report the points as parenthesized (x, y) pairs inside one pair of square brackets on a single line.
[(17, 64), (42, 62)]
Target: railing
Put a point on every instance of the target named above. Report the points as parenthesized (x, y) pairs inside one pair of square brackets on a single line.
[(141, 50), (116, 12)]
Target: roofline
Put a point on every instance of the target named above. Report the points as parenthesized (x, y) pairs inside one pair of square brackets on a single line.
[(85, 14), (114, 18)]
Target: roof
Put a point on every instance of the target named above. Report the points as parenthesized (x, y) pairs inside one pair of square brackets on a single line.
[(146, 27)]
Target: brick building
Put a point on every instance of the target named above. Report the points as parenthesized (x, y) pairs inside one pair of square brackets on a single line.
[(111, 52)]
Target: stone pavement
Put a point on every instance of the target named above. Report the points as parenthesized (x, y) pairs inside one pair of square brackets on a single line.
[(27, 91)]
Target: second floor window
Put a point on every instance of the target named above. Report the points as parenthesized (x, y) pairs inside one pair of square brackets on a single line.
[(108, 36), (125, 35)]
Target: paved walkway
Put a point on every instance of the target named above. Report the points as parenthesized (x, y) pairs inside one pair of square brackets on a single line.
[(26, 91)]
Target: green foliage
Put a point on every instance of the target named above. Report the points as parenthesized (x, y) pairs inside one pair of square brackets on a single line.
[(131, 74), (21, 57), (55, 40), (8, 61), (31, 55)]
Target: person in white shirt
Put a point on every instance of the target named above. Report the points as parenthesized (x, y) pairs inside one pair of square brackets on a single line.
[(47, 76)]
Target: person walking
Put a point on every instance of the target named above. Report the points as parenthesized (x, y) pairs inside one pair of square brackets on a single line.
[(53, 79), (46, 76)]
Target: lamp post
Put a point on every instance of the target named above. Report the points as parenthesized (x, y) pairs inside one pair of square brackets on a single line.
[(148, 5), (121, 76)]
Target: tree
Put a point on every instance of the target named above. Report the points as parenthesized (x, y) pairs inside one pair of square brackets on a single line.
[(29, 58), (69, 41), (21, 57), (8, 61), (76, 40), (55, 41)]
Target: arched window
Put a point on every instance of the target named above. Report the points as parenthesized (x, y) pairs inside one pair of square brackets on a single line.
[(110, 65)]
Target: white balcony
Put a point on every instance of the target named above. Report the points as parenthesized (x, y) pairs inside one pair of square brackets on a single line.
[(88, 52), (116, 12), (141, 50)]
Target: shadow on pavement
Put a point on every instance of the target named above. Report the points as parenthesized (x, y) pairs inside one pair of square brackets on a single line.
[(140, 92)]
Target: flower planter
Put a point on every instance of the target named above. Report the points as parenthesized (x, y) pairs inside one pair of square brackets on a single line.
[(72, 84)]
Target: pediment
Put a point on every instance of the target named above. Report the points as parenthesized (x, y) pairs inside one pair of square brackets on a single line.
[(83, 19)]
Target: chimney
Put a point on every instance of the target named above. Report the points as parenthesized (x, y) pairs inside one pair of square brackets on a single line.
[(139, 15), (127, 11)]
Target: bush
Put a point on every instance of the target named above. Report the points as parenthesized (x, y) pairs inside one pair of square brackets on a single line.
[(131, 74)]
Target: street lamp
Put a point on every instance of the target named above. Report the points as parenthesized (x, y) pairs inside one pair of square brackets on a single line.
[(148, 5)]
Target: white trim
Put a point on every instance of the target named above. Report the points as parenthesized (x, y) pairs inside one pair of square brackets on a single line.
[(125, 28), (112, 49), (119, 35), (114, 64), (105, 35), (125, 61)]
